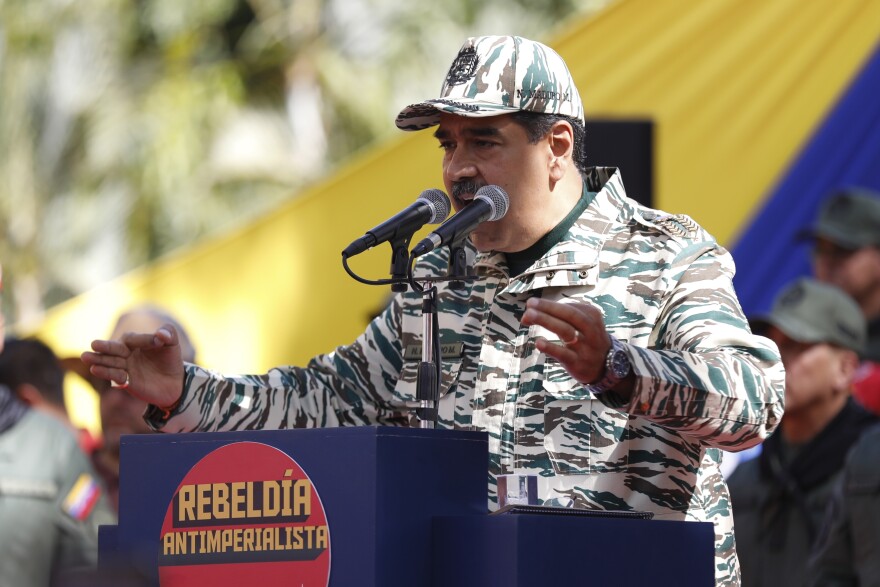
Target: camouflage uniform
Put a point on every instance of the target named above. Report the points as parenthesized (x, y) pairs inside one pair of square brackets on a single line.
[(703, 382)]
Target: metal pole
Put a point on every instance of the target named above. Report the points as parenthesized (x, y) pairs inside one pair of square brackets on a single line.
[(427, 386)]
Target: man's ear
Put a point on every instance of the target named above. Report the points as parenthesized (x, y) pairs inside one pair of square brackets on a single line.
[(29, 394), (847, 367), (875, 259), (560, 140)]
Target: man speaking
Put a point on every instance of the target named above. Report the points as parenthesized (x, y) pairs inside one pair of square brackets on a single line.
[(601, 346)]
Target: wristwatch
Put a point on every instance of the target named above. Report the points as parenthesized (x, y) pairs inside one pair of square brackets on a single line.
[(617, 366)]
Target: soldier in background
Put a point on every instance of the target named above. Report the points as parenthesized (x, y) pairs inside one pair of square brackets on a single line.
[(36, 375), (51, 502), (847, 254), (779, 498)]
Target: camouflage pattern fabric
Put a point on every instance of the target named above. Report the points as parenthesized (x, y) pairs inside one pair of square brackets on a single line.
[(495, 75), (703, 382)]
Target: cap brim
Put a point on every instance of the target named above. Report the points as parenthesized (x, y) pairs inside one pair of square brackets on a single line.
[(427, 114), (798, 331), (792, 328), (841, 240)]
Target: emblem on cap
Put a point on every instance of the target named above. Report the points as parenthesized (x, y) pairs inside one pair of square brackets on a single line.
[(464, 66), (840, 205), (793, 296)]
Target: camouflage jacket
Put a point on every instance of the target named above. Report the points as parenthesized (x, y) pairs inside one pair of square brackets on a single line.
[(703, 381)]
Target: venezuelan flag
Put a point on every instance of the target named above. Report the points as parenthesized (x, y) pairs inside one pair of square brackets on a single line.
[(82, 497)]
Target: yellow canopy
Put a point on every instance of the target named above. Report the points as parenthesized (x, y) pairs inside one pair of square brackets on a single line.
[(734, 87)]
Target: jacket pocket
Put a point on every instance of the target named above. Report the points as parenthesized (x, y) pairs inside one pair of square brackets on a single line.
[(405, 390), (581, 435)]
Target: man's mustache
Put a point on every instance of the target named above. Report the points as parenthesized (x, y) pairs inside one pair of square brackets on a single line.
[(460, 188)]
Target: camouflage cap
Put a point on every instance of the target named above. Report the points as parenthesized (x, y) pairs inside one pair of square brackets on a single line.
[(813, 312), (849, 218), (498, 75)]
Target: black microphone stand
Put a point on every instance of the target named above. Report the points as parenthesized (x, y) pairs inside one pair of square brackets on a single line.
[(402, 262), (459, 270), (399, 263)]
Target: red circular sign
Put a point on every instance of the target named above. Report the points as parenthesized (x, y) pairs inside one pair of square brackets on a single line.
[(246, 514)]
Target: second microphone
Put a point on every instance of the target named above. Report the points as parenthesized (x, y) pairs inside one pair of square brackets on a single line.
[(431, 207), (490, 203)]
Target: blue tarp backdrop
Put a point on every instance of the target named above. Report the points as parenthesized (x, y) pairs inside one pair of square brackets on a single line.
[(844, 151)]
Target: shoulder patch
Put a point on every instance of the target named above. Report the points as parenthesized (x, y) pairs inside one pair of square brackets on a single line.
[(677, 224), (82, 497)]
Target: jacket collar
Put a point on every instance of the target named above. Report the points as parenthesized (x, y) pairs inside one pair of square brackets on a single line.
[(579, 249)]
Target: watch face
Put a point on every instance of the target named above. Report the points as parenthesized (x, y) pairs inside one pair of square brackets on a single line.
[(619, 364)]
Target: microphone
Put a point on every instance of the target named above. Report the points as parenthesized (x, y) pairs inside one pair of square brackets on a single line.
[(431, 207), (490, 203)]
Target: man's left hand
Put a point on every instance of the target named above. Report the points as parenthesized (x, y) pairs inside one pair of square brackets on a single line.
[(580, 327)]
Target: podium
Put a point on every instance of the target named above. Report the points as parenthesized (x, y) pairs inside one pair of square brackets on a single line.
[(364, 506)]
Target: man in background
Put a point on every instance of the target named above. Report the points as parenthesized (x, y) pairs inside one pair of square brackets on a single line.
[(51, 502), (33, 371), (846, 254), (121, 413), (779, 498)]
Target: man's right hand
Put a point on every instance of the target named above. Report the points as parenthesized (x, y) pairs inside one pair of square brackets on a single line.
[(148, 366)]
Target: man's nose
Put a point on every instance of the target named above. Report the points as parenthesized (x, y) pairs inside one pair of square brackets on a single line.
[(460, 165)]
